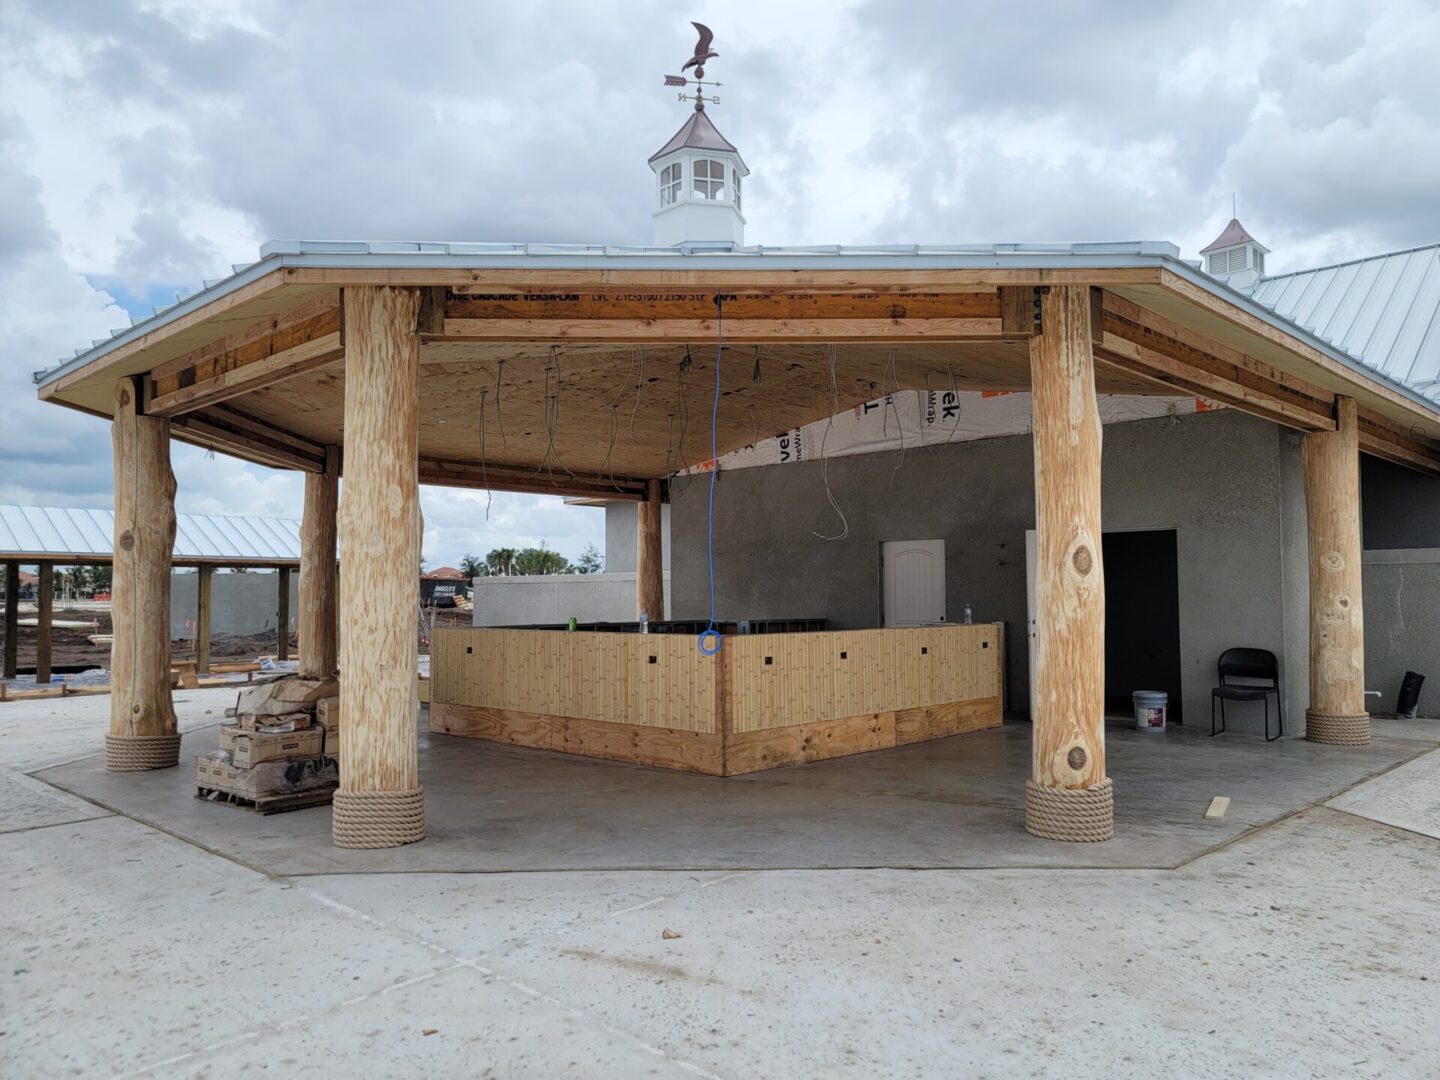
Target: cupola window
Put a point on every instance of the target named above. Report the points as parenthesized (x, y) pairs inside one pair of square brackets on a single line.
[(670, 180), (709, 179)]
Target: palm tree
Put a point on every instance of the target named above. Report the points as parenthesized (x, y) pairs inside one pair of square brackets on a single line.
[(502, 561), (472, 566)]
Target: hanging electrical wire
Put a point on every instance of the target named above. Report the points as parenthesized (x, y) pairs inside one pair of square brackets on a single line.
[(709, 639), (639, 387), (552, 418), (825, 461), (899, 424), (606, 468), (682, 369), (500, 420), (484, 473), (755, 376)]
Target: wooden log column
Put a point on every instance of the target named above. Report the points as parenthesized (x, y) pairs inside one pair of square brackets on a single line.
[(1331, 460), (649, 557), (319, 576), (204, 579), (282, 613), (1068, 796), (12, 621), (44, 622), (142, 717), (380, 802)]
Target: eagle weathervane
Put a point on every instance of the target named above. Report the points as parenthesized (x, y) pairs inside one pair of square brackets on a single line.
[(703, 52)]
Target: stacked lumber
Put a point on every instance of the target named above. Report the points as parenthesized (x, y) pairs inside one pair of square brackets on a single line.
[(275, 755)]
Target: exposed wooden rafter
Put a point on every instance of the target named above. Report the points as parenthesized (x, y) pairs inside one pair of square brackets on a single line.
[(268, 352), (467, 474), (222, 428)]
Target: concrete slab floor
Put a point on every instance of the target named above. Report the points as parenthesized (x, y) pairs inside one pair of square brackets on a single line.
[(131, 952), (955, 802)]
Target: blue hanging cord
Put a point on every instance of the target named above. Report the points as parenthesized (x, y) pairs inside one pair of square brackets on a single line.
[(709, 639)]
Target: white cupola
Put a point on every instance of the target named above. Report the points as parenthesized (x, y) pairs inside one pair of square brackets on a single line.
[(698, 172), (698, 178), (1236, 257)]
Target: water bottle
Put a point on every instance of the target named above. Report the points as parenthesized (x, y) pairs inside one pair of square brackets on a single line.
[(644, 622), (969, 615)]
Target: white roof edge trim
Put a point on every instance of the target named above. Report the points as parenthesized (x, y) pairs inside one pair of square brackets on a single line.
[(339, 255)]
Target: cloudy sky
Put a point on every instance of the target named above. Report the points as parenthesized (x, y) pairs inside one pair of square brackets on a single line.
[(145, 146)]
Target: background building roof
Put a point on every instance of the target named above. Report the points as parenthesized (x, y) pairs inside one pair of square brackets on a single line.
[(1384, 311), (71, 534)]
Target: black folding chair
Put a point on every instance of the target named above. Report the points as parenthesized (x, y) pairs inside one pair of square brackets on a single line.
[(1254, 665)]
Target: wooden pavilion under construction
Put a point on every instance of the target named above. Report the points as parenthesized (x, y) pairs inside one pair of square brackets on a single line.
[(564, 370)]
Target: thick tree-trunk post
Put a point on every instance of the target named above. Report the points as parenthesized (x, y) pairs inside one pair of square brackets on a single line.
[(12, 621), (204, 576), (380, 802), (282, 613), (142, 716), (319, 580), (649, 557), (1068, 796), (44, 621), (1331, 462)]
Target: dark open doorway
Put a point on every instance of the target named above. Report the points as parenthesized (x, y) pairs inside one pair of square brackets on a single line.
[(1142, 617)]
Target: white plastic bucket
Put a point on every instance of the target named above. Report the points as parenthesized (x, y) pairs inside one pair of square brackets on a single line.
[(1150, 709)]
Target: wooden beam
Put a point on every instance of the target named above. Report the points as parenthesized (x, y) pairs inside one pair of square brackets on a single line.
[(740, 305), (224, 428), (45, 617), (282, 613), (268, 352), (466, 474), (1019, 309), (641, 331), (319, 577), (650, 556), (1383, 438), (142, 717), (380, 802), (1068, 796), (1331, 463), (12, 620), (203, 580)]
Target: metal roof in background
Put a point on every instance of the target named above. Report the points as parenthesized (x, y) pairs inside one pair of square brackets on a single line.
[(1384, 311), (63, 534)]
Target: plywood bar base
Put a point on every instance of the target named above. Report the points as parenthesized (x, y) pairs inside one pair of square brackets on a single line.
[(715, 755)]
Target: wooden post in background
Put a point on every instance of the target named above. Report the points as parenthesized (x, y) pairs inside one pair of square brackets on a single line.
[(282, 613), (1068, 796), (319, 579), (142, 717), (204, 576), (1331, 460), (380, 802), (44, 622), (12, 621), (649, 556)]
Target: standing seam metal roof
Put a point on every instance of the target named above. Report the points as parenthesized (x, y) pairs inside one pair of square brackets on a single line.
[(1384, 311), (63, 533)]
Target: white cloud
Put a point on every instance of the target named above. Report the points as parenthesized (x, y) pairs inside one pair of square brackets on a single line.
[(149, 144)]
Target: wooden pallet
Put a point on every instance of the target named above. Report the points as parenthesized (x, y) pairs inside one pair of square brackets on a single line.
[(275, 804)]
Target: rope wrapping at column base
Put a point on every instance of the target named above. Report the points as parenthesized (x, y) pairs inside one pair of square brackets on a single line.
[(1082, 815), (1335, 730), (377, 819), (137, 753)]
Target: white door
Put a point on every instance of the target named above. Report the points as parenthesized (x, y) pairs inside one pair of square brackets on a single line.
[(912, 582)]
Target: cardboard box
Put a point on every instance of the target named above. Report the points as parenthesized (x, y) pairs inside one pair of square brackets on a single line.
[(249, 748), (296, 721), (327, 713), (270, 778), (332, 742)]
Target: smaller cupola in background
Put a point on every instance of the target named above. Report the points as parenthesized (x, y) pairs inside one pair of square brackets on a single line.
[(698, 172), (1236, 257)]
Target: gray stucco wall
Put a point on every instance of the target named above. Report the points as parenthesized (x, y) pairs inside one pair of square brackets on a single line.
[(1226, 482), (1402, 624), (240, 604), (554, 598), (620, 536)]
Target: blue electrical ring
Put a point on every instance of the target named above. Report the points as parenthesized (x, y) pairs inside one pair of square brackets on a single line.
[(709, 641)]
